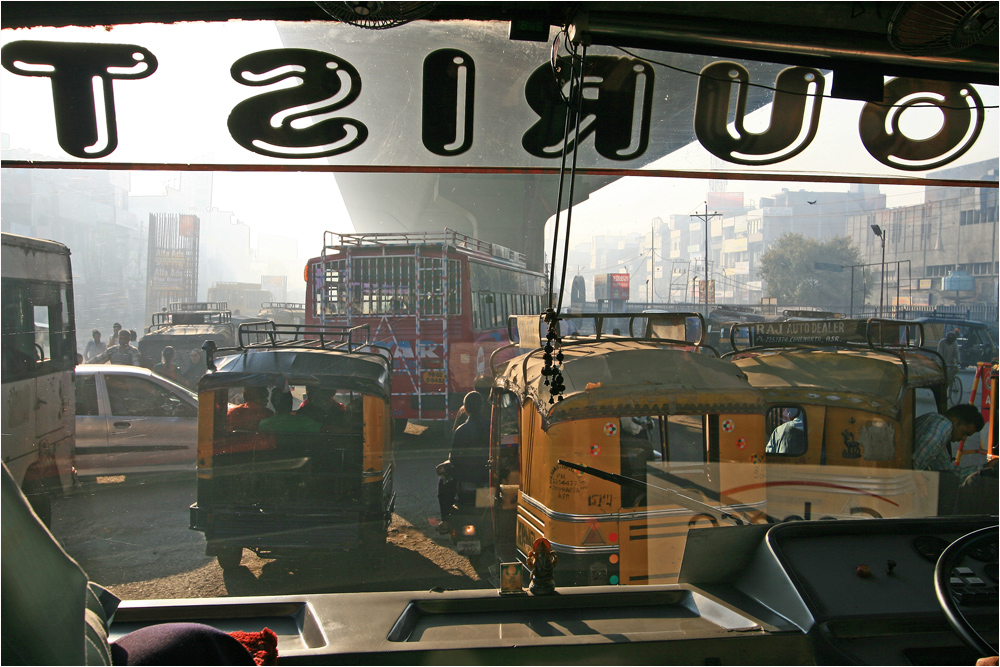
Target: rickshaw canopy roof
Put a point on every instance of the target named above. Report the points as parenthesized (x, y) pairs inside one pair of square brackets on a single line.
[(865, 379), (364, 372), (631, 377)]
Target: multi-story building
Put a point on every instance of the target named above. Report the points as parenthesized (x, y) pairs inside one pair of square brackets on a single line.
[(948, 242), (740, 232), (89, 212)]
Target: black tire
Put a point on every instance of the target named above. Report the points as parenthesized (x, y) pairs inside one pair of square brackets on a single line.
[(955, 391), (229, 557), (374, 544)]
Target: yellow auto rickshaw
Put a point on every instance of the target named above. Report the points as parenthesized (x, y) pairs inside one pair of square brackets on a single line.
[(294, 443), (842, 398), (650, 436)]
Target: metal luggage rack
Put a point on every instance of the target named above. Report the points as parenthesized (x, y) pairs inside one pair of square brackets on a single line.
[(447, 237), (200, 306), (268, 334), (282, 305), (866, 334), (172, 317), (872, 326), (524, 324), (529, 331)]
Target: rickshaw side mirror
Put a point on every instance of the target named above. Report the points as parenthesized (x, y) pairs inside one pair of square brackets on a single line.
[(209, 347)]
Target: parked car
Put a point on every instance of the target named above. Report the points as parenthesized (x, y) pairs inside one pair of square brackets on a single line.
[(130, 420), (974, 340)]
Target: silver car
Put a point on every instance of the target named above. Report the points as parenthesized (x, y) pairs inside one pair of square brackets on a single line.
[(130, 420)]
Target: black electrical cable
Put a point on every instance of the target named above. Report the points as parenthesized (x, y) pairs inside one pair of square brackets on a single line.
[(578, 112), (562, 172), (787, 92)]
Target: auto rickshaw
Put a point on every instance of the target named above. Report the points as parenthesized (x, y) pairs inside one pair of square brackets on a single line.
[(315, 476), (652, 435), (842, 400)]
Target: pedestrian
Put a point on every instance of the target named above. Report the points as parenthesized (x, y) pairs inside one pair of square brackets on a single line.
[(115, 328), (948, 349), (195, 370), (167, 368), (123, 353), (94, 347)]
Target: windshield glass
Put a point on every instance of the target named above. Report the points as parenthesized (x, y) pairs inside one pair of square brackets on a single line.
[(408, 188)]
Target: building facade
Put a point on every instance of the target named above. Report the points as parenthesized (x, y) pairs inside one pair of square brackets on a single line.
[(948, 242)]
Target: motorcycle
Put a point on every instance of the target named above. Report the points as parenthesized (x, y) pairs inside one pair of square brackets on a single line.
[(470, 521)]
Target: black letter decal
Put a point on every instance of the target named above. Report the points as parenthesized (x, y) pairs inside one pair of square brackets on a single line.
[(788, 114), (72, 69), (618, 117), (449, 86), (264, 124), (959, 102)]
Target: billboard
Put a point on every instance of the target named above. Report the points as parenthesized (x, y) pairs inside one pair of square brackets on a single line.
[(276, 285), (614, 286), (171, 260), (618, 284), (725, 200), (601, 287), (702, 296)]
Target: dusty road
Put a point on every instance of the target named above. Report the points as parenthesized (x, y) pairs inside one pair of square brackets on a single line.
[(134, 539)]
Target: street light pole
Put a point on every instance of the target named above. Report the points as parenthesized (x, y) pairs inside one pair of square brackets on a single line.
[(879, 232), (706, 218)]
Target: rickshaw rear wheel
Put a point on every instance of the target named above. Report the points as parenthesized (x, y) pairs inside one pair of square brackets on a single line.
[(374, 543), (229, 557)]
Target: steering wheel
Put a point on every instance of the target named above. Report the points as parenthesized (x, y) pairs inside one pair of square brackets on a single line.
[(951, 557)]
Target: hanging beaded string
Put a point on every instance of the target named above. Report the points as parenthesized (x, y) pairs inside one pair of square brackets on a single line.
[(552, 372)]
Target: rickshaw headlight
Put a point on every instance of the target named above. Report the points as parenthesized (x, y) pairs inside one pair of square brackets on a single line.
[(468, 531)]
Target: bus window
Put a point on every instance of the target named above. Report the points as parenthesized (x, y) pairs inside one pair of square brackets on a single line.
[(36, 330)]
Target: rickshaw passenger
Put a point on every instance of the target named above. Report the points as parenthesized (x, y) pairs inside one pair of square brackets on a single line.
[(248, 415), (321, 405), (284, 421), (790, 437), (934, 433)]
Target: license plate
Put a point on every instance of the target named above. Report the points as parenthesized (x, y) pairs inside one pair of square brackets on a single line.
[(468, 547), (433, 377)]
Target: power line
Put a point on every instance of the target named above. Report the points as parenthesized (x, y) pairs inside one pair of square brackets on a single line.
[(786, 92)]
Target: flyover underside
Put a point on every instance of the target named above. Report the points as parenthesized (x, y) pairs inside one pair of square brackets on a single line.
[(510, 210)]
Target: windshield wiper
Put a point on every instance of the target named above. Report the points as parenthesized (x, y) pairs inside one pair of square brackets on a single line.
[(679, 498)]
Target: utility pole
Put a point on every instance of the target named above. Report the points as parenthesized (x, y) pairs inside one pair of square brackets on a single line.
[(880, 233), (706, 217)]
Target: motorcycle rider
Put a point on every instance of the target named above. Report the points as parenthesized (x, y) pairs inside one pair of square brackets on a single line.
[(468, 459)]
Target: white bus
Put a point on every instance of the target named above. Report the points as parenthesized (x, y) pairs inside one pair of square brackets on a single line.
[(39, 356)]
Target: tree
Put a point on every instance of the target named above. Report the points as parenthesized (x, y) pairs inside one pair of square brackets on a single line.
[(789, 272)]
